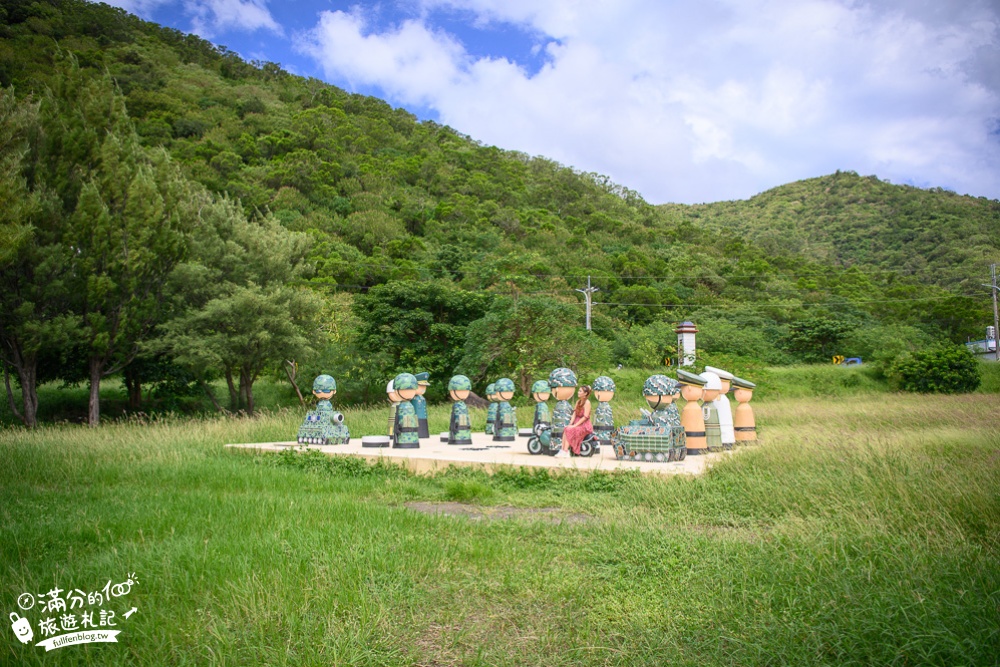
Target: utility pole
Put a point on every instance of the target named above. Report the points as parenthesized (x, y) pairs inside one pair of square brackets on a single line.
[(996, 318), (587, 294)]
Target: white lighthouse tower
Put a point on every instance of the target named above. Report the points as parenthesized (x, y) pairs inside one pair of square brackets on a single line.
[(685, 343)]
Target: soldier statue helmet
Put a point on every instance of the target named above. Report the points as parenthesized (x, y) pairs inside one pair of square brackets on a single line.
[(541, 391), (405, 385), (459, 387), (324, 387), (490, 390), (659, 390), (504, 387), (604, 389), (563, 382)]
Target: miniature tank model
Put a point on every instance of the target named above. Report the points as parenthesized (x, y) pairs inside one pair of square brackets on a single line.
[(658, 436), (324, 425), (505, 427)]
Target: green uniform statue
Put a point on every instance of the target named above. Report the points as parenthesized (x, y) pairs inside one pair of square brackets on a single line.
[(407, 425), (460, 428), (420, 404), (491, 412), (540, 391), (604, 419), (506, 424), (563, 383)]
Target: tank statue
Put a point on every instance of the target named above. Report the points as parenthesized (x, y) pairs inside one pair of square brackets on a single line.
[(407, 426), (724, 407), (563, 383), (491, 412), (420, 404), (746, 425), (710, 410), (505, 427), (658, 436), (604, 420), (394, 400), (324, 425), (540, 391), (692, 417), (460, 428)]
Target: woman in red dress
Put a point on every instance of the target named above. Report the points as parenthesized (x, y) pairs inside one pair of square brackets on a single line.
[(579, 426)]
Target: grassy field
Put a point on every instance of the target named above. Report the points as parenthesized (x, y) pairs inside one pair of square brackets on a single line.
[(863, 530)]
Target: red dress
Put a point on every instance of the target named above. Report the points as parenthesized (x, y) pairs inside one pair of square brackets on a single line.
[(574, 435)]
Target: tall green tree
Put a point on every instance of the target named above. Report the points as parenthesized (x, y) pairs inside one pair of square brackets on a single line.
[(236, 308), (526, 338)]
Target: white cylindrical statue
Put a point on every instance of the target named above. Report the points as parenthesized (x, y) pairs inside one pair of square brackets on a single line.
[(685, 343)]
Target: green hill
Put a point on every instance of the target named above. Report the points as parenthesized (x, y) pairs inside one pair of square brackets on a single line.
[(835, 265)]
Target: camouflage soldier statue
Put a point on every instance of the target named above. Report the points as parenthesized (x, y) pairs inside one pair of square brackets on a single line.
[(540, 391), (604, 421), (659, 391), (491, 412), (563, 383), (407, 426), (324, 426), (420, 404), (506, 424), (460, 428)]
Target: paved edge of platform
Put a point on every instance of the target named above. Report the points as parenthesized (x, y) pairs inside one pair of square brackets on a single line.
[(430, 465)]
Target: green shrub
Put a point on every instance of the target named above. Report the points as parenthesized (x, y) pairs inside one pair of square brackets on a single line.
[(944, 369)]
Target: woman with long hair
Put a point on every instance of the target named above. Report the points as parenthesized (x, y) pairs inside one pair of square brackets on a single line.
[(579, 426)]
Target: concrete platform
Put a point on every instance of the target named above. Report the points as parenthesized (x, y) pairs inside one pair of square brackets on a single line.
[(434, 455)]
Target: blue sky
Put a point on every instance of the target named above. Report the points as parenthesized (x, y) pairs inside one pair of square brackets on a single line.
[(682, 100)]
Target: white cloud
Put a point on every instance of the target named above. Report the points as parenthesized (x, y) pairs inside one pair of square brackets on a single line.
[(210, 17), (698, 101)]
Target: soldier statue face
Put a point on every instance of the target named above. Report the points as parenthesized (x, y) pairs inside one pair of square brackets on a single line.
[(710, 395), (541, 396), (459, 394), (563, 393), (393, 396), (604, 396), (660, 400), (406, 394), (324, 395), (743, 395), (506, 395), (421, 389), (725, 385), (690, 392)]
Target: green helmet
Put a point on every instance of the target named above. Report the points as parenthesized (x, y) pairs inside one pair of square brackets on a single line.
[(604, 383), (404, 381), (562, 377), (490, 389), (541, 387), (659, 385), (324, 383), (460, 383), (504, 385)]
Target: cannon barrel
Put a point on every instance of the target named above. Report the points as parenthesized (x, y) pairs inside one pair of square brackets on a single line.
[(337, 417)]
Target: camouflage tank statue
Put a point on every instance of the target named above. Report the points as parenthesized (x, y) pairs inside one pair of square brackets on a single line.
[(563, 383), (407, 426), (604, 420), (658, 436), (460, 427), (324, 425), (491, 412), (420, 404), (540, 391), (506, 424)]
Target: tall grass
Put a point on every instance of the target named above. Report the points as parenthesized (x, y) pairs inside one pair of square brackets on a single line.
[(863, 530)]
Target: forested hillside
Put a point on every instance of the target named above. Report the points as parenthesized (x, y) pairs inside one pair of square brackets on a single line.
[(390, 244)]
